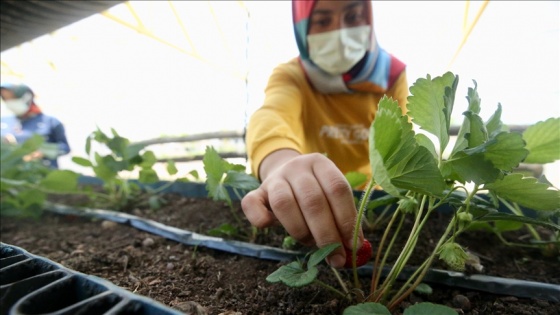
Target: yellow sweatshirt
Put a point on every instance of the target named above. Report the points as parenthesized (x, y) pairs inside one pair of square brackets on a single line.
[(296, 116)]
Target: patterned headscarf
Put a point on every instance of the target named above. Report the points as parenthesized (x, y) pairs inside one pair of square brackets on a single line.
[(19, 90), (375, 73)]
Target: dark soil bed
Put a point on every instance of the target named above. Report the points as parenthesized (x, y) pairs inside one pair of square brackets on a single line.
[(181, 276)]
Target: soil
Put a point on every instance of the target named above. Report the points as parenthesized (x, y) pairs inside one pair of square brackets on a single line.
[(181, 276)]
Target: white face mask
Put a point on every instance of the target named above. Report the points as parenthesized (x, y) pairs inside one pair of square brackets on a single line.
[(338, 51), (19, 106)]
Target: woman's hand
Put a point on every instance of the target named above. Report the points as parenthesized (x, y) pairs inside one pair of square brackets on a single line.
[(35, 155), (309, 196)]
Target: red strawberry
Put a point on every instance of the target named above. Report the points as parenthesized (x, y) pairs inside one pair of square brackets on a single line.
[(363, 255)]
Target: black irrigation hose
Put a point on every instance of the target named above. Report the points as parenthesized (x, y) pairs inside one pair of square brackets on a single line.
[(179, 235), (490, 284)]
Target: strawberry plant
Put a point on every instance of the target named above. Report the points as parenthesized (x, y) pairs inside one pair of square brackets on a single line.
[(475, 180), (223, 179), (121, 156), (25, 183)]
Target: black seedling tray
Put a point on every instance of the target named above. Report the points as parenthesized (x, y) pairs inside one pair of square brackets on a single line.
[(30, 284)]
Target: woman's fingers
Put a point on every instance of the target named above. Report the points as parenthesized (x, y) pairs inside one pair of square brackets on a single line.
[(318, 217), (341, 201), (255, 207), (311, 199)]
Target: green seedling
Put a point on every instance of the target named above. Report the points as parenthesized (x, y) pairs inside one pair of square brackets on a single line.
[(224, 178), (289, 242), (25, 185), (121, 155), (302, 273)]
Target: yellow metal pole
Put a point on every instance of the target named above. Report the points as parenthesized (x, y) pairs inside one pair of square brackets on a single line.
[(469, 30), (142, 30), (182, 25), (466, 16)]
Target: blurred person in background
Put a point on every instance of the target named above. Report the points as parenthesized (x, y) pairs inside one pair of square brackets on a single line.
[(314, 124), (28, 120)]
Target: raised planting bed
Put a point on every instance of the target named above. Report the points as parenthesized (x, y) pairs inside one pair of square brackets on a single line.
[(166, 255)]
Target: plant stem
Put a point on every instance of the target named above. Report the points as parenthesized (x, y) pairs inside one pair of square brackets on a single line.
[(357, 227), (379, 266), (162, 187), (342, 284), (330, 288), (501, 237), (55, 192), (404, 255), (515, 210), (424, 267)]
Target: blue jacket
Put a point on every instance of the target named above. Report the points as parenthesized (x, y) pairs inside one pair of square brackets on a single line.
[(47, 126)]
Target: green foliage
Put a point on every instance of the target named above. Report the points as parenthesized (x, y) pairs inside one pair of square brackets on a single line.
[(424, 308), (225, 229), (289, 242), (223, 177), (483, 153), (367, 308), (397, 160), (25, 184), (431, 105), (453, 255), (294, 274), (220, 174), (423, 288), (476, 179), (114, 155), (297, 273), (356, 179), (542, 141), (526, 191)]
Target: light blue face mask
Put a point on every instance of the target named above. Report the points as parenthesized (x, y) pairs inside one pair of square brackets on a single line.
[(19, 106)]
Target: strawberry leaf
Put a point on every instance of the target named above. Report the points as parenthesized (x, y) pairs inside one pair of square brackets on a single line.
[(61, 181), (430, 105), (470, 168), (220, 173), (526, 192), (171, 167), (396, 159), (505, 151), (367, 309), (542, 141), (427, 308), (241, 180), (320, 254), (498, 217), (293, 275), (356, 179), (215, 168), (494, 125), (467, 131), (477, 134)]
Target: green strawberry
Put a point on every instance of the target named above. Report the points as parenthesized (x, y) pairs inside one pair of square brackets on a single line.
[(363, 255), (453, 255)]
